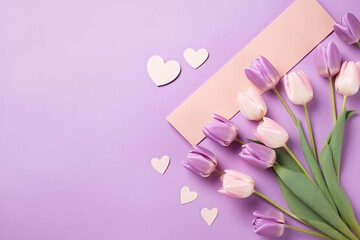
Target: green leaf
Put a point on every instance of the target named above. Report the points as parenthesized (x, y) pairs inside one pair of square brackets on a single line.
[(295, 204), (309, 193), (284, 159), (337, 192), (299, 208), (349, 114), (305, 213), (313, 164), (335, 138), (328, 230)]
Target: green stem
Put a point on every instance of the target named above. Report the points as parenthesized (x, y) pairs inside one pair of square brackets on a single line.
[(343, 108), (312, 140), (344, 103), (297, 162), (358, 44), (218, 172), (332, 94), (241, 142), (317, 234), (356, 229), (279, 207), (285, 104)]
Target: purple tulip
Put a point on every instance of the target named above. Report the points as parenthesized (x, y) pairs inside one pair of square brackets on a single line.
[(258, 155), (200, 161), (348, 29), (262, 74), (269, 223), (221, 130), (327, 59)]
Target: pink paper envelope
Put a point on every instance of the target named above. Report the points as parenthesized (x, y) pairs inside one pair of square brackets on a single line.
[(305, 23)]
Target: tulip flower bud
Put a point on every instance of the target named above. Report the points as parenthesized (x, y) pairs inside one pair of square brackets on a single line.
[(348, 29), (348, 80), (221, 130), (271, 133), (200, 161), (269, 223), (258, 155), (236, 184), (298, 88), (262, 74), (327, 59), (251, 104)]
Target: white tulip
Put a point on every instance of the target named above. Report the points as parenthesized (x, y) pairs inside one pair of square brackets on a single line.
[(298, 88), (347, 82), (251, 104)]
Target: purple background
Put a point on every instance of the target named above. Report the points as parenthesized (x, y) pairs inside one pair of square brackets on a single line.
[(80, 119)]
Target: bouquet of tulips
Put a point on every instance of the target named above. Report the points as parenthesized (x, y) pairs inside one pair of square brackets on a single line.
[(316, 198)]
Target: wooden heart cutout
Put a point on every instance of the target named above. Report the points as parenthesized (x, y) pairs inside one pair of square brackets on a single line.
[(187, 196), (160, 165), (195, 58), (209, 215), (160, 72)]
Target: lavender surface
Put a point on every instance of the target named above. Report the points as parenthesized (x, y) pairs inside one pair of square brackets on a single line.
[(81, 119)]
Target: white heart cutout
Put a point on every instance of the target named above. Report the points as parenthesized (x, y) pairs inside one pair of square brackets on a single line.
[(195, 58), (160, 72), (160, 165), (187, 196), (209, 215)]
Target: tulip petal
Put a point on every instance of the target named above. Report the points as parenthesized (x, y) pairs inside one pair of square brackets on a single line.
[(191, 169), (268, 229), (272, 215), (222, 119), (271, 133), (358, 66), (354, 25), (263, 152), (344, 34), (200, 164), (269, 71), (220, 133), (258, 155), (237, 184), (257, 79), (238, 175), (240, 190), (222, 130), (348, 80), (251, 104), (333, 59), (298, 88), (320, 60), (273, 139), (206, 153), (200, 161)]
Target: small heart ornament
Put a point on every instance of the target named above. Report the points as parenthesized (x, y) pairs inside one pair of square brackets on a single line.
[(187, 196), (195, 58), (209, 215), (160, 165), (160, 72)]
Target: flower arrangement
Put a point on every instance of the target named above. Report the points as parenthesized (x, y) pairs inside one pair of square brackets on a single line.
[(316, 198)]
